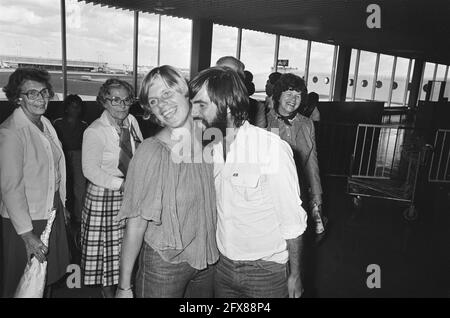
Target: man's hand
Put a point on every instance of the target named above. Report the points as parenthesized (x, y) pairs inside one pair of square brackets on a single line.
[(34, 246), (295, 286)]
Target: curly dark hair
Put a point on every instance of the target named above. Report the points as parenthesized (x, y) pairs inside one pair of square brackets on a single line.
[(248, 82), (113, 83), (274, 77), (13, 89), (286, 82)]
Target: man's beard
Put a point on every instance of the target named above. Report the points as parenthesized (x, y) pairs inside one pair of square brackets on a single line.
[(219, 122)]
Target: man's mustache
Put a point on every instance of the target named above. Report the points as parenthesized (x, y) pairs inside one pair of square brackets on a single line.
[(202, 120)]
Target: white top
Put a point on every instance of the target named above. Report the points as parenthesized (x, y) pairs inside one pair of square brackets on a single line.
[(100, 152), (258, 197), (27, 171)]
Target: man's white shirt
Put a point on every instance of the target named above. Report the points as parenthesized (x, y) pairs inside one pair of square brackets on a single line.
[(258, 196)]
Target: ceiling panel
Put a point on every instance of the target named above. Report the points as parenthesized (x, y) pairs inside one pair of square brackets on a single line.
[(409, 28)]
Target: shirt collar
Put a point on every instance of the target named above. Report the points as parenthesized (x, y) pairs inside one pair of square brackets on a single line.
[(22, 120), (242, 139), (110, 122)]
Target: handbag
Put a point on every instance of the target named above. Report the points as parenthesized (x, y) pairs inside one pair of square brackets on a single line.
[(32, 283)]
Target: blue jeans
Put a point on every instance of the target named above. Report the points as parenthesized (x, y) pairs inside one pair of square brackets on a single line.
[(250, 279), (157, 278)]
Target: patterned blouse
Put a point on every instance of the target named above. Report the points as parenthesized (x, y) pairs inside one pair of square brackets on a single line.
[(178, 200)]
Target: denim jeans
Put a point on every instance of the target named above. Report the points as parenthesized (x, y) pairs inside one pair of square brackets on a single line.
[(157, 278), (250, 279)]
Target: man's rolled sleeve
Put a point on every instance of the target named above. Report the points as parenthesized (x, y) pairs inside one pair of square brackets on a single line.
[(12, 185), (92, 154), (285, 192)]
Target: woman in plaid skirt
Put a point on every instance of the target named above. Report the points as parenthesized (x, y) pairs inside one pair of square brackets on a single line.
[(108, 145)]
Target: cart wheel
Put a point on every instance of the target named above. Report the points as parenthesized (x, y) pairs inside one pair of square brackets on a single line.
[(410, 213), (357, 202)]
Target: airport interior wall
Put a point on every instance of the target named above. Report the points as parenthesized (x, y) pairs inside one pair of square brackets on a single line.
[(351, 112)]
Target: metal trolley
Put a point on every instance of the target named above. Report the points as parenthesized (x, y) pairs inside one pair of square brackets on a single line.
[(440, 161), (385, 164)]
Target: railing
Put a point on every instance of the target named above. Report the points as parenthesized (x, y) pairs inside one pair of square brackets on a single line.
[(439, 167), (385, 152), (336, 141)]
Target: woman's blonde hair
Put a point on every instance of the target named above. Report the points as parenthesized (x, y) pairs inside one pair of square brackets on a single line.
[(171, 77)]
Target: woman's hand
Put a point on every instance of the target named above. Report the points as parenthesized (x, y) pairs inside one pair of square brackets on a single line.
[(295, 286), (122, 186), (34, 246), (120, 293), (67, 216)]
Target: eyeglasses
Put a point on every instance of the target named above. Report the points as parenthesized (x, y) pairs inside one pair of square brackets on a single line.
[(117, 101), (156, 101), (33, 94), (291, 94)]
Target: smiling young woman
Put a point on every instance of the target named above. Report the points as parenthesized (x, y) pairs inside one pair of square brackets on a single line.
[(171, 219)]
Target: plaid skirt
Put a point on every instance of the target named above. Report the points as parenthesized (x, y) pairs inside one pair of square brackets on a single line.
[(101, 237)]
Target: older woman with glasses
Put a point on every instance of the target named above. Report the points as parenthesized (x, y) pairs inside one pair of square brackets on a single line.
[(289, 94), (32, 181), (169, 200), (108, 145)]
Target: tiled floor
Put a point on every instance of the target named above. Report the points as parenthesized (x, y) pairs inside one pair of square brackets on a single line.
[(413, 258)]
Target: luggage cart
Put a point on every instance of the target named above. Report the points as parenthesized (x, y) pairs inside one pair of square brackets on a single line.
[(385, 164), (440, 161)]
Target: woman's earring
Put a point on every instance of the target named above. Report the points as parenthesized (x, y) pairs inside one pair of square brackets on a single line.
[(146, 115)]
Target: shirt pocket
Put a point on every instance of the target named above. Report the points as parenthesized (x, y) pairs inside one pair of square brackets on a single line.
[(246, 186)]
